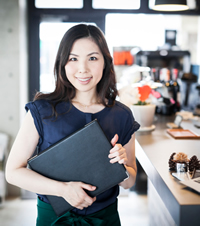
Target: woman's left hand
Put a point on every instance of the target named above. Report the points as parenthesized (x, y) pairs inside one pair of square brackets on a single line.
[(117, 153)]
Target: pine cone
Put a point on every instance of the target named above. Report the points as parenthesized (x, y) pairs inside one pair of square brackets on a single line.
[(194, 163), (172, 163)]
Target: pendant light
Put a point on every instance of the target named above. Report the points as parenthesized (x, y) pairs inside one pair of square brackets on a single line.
[(170, 5)]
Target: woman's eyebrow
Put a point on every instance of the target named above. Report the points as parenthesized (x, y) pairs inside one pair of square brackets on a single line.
[(92, 53), (73, 54)]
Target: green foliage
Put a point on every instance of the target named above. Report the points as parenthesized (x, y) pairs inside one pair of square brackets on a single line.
[(141, 103)]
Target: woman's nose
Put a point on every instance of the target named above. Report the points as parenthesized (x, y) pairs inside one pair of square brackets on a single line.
[(83, 67)]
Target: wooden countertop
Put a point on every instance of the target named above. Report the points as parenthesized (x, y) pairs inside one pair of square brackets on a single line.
[(153, 151)]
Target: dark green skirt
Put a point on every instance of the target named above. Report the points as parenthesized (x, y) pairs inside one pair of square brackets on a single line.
[(106, 217)]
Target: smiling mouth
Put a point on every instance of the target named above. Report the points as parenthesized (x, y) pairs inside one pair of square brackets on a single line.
[(84, 79)]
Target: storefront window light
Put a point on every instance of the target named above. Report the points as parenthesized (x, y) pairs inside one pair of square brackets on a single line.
[(113, 4), (65, 4)]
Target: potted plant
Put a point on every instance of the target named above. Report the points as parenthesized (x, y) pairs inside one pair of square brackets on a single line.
[(143, 110)]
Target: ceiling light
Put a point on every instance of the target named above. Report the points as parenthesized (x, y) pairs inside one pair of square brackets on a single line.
[(170, 5)]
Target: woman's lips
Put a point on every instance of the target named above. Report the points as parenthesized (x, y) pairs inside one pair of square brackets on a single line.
[(84, 80)]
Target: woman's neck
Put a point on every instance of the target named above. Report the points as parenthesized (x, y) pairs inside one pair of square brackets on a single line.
[(86, 98), (87, 103)]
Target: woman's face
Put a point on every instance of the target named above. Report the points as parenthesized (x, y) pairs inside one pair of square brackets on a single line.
[(85, 65)]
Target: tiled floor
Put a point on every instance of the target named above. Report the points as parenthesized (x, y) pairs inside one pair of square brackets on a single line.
[(132, 209)]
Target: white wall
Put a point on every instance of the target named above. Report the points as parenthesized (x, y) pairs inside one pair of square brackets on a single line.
[(13, 69), (188, 35)]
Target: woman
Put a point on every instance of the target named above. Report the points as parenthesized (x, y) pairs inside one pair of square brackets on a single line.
[(85, 89)]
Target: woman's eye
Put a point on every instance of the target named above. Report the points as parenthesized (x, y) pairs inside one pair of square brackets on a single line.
[(93, 58), (72, 59)]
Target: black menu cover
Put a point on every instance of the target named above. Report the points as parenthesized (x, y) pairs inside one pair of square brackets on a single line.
[(82, 156)]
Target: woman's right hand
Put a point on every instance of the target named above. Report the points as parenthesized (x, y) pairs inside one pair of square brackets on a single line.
[(74, 194)]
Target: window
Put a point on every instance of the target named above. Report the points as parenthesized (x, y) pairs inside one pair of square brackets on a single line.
[(66, 4), (50, 37), (140, 30), (113, 4)]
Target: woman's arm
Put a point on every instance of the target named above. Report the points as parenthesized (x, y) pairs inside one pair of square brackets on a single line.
[(125, 155), (18, 175)]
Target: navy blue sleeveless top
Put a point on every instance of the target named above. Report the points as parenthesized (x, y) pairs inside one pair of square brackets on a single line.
[(113, 120)]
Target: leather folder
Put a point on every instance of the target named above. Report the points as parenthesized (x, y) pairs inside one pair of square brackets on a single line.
[(82, 156)]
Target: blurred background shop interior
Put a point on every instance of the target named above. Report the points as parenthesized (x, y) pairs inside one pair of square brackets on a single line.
[(158, 47)]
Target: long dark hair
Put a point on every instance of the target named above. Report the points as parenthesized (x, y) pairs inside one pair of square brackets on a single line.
[(64, 90)]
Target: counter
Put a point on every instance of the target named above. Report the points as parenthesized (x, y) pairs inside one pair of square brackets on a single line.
[(170, 203)]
